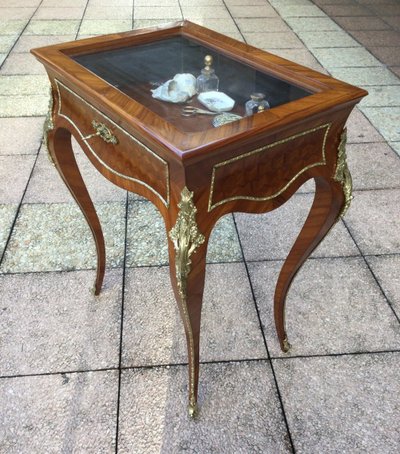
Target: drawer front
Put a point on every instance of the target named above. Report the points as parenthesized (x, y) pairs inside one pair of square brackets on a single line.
[(265, 173), (113, 147)]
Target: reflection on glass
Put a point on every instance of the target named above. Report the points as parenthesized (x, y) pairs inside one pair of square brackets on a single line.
[(137, 69)]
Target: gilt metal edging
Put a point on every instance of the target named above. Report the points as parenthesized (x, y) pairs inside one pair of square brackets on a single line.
[(48, 126), (186, 238), (165, 200), (262, 149), (342, 174)]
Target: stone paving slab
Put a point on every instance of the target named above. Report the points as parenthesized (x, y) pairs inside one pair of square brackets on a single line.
[(373, 221), (382, 96), (59, 13), (299, 55), (14, 176), (360, 129), (12, 27), (274, 40), (239, 411), (24, 106), (333, 306), (386, 269), (395, 146), (327, 39), (386, 55), (361, 23), (342, 404), (103, 26), (46, 185), (303, 24), (13, 143), (23, 3), (359, 76), (153, 330), (56, 237), (147, 238), (7, 42), (333, 57), (16, 13), (373, 166), (243, 10), (26, 43), (387, 120), (270, 236), (22, 63), (54, 323), (7, 216), (263, 24), (52, 27), (59, 413), (103, 12)]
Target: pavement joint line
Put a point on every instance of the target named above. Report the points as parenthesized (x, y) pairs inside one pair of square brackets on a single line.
[(80, 22), (121, 333), (10, 233), (335, 355), (19, 36), (372, 273), (180, 8), (236, 24), (216, 362), (165, 265), (310, 48), (353, 37), (382, 290)]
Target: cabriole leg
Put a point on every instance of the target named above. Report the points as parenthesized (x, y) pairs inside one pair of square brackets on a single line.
[(188, 247), (327, 205), (60, 149)]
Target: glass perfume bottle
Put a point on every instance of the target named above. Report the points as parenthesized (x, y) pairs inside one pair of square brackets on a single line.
[(208, 80), (256, 104)]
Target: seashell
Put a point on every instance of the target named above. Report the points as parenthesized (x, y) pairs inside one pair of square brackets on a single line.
[(179, 89)]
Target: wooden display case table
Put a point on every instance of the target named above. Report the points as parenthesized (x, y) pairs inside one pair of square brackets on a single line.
[(195, 173)]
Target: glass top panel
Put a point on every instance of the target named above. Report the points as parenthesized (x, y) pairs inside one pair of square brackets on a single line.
[(137, 69)]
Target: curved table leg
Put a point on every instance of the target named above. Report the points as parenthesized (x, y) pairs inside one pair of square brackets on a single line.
[(326, 208), (60, 149), (188, 249)]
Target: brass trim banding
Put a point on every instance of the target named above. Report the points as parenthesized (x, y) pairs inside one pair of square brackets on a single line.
[(211, 206), (186, 238), (48, 126), (86, 138), (342, 174)]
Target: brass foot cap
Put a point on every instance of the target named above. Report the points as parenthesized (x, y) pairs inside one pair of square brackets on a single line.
[(286, 346), (193, 409), (95, 291)]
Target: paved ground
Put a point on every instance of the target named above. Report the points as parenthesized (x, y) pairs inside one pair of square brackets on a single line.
[(86, 374)]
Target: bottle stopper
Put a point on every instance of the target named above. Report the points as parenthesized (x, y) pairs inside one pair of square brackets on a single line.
[(208, 61)]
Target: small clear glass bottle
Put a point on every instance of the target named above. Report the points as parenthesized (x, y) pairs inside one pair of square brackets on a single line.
[(256, 104), (208, 80)]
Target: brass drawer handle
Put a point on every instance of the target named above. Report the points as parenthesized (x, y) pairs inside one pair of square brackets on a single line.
[(104, 132)]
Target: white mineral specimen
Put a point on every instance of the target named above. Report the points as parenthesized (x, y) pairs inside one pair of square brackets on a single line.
[(179, 89)]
